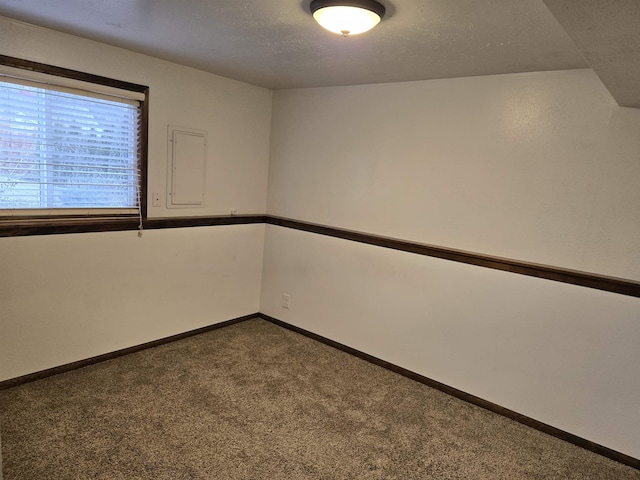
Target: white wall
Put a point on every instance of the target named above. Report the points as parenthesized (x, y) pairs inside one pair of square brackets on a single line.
[(69, 297), (235, 115), (538, 167)]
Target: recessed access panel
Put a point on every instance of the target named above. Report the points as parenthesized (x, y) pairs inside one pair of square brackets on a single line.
[(187, 149)]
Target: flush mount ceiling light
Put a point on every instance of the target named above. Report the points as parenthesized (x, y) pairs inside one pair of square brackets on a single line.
[(347, 17)]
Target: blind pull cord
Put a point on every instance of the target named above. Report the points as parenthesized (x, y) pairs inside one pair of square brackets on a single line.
[(140, 228)]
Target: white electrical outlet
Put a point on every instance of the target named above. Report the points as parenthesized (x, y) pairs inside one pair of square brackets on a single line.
[(156, 199), (286, 300)]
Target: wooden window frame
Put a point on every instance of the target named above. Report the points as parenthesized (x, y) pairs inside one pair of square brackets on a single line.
[(30, 225)]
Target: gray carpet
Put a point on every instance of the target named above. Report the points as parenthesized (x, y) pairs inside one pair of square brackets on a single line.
[(255, 401)]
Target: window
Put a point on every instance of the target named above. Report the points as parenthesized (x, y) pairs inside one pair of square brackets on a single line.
[(69, 147)]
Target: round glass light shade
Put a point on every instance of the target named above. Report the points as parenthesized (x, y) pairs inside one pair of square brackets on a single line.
[(346, 19)]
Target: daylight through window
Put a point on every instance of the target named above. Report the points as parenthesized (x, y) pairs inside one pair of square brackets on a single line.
[(64, 150)]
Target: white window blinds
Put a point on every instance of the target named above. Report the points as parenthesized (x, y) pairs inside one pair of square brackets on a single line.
[(63, 149)]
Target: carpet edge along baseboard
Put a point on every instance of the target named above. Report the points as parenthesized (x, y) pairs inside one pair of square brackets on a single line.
[(67, 367), (467, 397), (454, 392)]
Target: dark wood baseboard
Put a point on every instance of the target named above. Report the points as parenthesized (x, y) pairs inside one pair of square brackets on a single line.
[(31, 377), (454, 392)]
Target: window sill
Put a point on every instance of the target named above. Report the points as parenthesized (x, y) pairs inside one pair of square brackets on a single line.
[(19, 227)]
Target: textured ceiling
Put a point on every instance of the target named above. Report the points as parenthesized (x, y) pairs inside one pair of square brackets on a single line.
[(276, 43), (607, 32)]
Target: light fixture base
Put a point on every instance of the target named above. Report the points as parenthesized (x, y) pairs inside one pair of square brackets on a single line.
[(347, 17)]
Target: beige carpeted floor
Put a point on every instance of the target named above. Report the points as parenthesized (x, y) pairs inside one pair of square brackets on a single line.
[(255, 401)]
